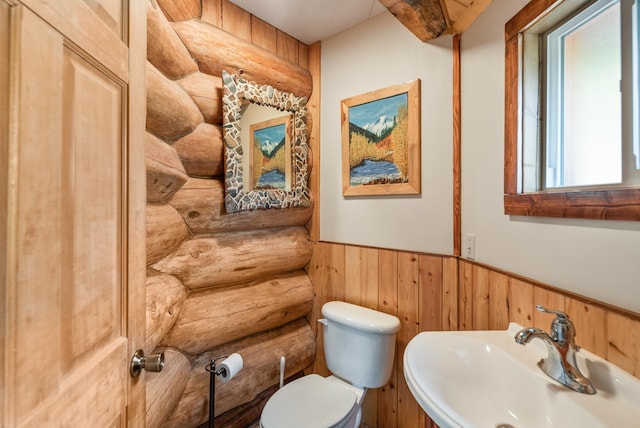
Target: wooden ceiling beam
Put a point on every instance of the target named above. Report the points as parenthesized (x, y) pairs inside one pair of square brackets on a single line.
[(429, 19), (424, 18), (474, 10)]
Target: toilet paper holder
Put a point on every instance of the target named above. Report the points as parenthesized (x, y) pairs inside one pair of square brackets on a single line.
[(211, 367), (224, 375)]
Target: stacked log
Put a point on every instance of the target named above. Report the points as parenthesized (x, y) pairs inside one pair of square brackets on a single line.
[(237, 257), (206, 91), (201, 204), (216, 50), (202, 151), (221, 315), (165, 296), (171, 113), (165, 172), (217, 283), (167, 52), (175, 376), (166, 230)]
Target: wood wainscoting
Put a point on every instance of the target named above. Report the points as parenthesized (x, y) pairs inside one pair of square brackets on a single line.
[(434, 292)]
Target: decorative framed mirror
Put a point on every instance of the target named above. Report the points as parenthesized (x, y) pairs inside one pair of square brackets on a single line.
[(265, 147)]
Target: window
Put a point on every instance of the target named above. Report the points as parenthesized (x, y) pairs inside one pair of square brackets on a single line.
[(583, 99), (571, 135)]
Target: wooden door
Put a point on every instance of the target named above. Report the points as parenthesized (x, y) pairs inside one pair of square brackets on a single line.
[(72, 211)]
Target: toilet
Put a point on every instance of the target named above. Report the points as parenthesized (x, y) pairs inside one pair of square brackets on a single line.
[(359, 348)]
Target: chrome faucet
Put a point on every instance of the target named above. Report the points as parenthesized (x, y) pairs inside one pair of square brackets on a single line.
[(560, 363)]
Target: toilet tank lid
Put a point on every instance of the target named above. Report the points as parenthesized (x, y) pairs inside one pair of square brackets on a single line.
[(361, 318)]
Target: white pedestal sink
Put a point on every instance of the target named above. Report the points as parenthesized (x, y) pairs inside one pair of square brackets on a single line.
[(472, 379)]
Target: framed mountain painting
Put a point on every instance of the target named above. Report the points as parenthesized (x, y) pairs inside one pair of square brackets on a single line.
[(270, 154), (381, 142)]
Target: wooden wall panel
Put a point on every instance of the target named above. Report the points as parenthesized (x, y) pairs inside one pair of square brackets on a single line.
[(287, 47), (465, 307), (303, 57), (498, 301), (480, 296), (431, 292), (327, 268), (361, 276), (520, 298), (388, 303), (623, 336), (388, 281), (236, 20), (4, 190), (408, 312), (263, 34), (591, 325), (450, 298), (212, 12)]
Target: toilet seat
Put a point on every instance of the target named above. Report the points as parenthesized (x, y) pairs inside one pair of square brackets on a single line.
[(311, 402)]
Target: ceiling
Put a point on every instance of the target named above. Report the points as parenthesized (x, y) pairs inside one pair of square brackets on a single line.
[(312, 20), (315, 20)]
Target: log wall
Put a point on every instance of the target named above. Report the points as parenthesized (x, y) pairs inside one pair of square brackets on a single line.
[(429, 292), (216, 283)]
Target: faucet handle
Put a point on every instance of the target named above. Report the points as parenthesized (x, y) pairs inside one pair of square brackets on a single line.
[(562, 329), (559, 314)]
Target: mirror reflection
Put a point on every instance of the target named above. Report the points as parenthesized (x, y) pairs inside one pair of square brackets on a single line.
[(265, 143)]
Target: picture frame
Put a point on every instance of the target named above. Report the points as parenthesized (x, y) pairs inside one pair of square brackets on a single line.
[(381, 141)]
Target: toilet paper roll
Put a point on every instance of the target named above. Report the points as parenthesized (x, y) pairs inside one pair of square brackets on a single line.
[(230, 367)]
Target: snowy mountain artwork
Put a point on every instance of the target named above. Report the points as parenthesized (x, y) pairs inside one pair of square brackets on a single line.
[(377, 141), (380, 134), (269, 154)]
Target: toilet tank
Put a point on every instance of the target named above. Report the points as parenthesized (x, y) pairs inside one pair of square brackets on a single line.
[(359, 343)]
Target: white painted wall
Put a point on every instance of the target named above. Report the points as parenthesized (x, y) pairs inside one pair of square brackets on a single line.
[(599, 259), (371, 56)]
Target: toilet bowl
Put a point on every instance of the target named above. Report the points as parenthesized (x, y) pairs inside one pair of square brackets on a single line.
[(359, 348), (314, 402)]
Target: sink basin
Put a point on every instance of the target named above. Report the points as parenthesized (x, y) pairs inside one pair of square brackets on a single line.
[(484, 379)]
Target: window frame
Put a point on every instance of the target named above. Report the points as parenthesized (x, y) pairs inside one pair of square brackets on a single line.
[(607, 204)]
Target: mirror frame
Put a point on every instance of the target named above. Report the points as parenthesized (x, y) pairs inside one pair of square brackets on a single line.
[(237, 94)]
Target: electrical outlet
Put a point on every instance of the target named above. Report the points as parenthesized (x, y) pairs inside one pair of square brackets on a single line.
[(470, 246)]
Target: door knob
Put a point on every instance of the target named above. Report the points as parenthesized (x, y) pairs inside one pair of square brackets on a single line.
[(151, 363)]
